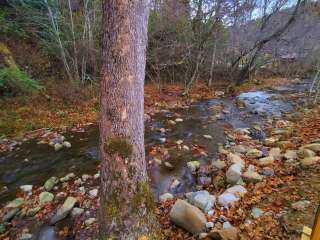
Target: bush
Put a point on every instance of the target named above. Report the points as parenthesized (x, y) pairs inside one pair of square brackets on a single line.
[(13, 81)]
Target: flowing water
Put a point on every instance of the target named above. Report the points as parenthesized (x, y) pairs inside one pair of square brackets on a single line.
[(34, 163)]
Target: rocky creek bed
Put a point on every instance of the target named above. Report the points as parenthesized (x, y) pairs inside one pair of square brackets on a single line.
[(236, 167)]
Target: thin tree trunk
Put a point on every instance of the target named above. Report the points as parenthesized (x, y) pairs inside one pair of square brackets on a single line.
[(213, 60), (127, 205)]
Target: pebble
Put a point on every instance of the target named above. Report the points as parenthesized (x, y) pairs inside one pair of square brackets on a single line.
[(89, 221), (26, 188), (268, 172), (256, 212), (66, 144)]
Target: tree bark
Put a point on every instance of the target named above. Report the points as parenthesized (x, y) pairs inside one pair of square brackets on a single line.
[(127, 205)]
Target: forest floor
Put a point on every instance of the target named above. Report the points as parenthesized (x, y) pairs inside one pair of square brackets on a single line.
[(280, 187)]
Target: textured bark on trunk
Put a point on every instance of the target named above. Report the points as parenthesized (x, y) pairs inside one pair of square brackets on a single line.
[(126, 210)]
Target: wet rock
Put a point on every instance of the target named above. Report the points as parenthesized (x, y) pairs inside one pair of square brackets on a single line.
[(266, 161), (275, 153), (45, 197), (166, 196), (76, 212), (305, 153), (268, 172), (254, 153), (226, 199), (251, 176), (233, 158), (193, 165), (93, 193), (89, 221), (64, 210), (26, 188), (219, 164), (188, 217), (10, 214), (256, 212), (309, 161), (301, 205), (50, 183), (313, 147), (26, 236), (290, 155), (66, 144), (202, 200), (58, 146), (231, 233), (16, 203), (33, 211), (234, 173)]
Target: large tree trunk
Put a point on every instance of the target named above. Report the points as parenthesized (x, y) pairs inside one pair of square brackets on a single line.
[(127, 206)]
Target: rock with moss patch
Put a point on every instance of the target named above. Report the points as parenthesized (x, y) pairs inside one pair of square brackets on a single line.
[(119, 146), (193, 165), (50, 183), (45, 197), (64, 210)]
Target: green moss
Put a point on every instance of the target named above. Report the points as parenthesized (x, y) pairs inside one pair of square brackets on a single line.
[(118, 146), (144, 196)]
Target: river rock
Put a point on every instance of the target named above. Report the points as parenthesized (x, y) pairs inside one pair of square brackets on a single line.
[(64, 210), (208, 137), (226, 199), (234, 173), (16, 203), (93, 193), (251, 176), (188, 217), (301, 205), (209, 225), (219, 164), (166, 196), (237, 190), (68, 177), (313, 147), (268, 172), (309, 161), (254, 153), (193, 165), (45, 197), (176, 183), (50, 183), (202, 200), (226, 225), (290, 155), (26, 236), (219, 182), (266, 161), (233, 158), (275, 153), (256, 212), (58, 146), (231, 233), (305, 153), (282, 144), (89, 221), (76, 211), (270, 141), (240, 149), (66, 144), (26, 188), (33, 211), (10, 214)]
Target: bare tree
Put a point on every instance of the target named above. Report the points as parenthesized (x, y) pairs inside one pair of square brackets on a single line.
[(127, 205)]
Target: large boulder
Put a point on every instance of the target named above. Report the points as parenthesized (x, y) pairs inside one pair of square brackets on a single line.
[(188, 217), (64, 210), (202, 200), (234, 173)]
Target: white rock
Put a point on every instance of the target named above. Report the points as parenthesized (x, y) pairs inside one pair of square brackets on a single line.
[(209, 225), (166, 196), (237, 190), (178, 120), (58, 146), (207, 136), (275, 153), (226, 199), (89, 221), (234, 173), (66, 144), (179, 142), (202, 200), (26, 188), (233, 158), (193, 165), (93, 193)]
